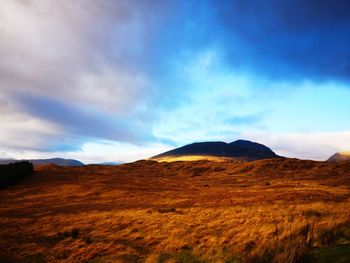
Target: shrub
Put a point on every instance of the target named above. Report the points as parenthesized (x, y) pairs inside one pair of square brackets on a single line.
[(297, 248), (166, 210), (249, 246), (312, 213), (188, 257), (13, 173), (62, 235), (199, 171), (219, 169), (281, 252), (73, 233), (330, 236), (327, 236), (87, 238)]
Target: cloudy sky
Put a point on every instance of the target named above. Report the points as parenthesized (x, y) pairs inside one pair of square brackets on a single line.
[(123, 80)]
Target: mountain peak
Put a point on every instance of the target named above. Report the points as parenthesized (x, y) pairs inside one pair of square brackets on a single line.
[(340, 156), (238, 150)]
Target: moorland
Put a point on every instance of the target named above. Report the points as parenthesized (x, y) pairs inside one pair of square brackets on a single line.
[(273, 210)]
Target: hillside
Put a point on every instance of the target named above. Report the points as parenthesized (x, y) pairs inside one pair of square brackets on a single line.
[(338, 157), (238, 150), (199, 211)]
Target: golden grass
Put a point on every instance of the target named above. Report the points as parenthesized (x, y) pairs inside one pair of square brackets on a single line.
[(168, 212)]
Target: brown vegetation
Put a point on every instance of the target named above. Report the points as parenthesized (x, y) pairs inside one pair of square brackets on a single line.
[(281, 210)]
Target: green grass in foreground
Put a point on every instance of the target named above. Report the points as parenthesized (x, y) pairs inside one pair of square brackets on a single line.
[(338, 254)]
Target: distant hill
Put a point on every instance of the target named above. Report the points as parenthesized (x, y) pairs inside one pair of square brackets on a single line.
[(237, 150), (57, 161), (341, 156)]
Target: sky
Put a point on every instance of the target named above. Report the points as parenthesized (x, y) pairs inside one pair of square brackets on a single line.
[(121, 80)]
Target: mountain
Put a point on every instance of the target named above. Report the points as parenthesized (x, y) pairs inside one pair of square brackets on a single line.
[(338, 157), (237, 150), (57, 161), (7, 161)]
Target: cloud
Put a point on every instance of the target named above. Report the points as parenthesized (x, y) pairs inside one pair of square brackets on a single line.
[(225, 105), (80, 121), (95, 152), (287, 39), (21, 131), (316, 146), (117, 152), (63, 50), (75, 70), (169, 72)]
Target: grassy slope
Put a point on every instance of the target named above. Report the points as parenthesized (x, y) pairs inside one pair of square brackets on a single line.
[(161, 212)]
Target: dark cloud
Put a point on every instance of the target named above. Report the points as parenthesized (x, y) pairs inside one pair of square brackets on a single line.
[(287, 39)]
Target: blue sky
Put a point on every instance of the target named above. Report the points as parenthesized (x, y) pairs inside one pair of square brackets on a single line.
[(123, 80)]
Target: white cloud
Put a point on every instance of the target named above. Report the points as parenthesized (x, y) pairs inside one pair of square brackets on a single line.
[(315, 146), (80, 52), (77, 58), (97, 152), (113, 91), (22, 131)]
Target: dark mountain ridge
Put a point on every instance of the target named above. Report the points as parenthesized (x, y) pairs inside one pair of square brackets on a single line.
[(240, 149), (57, 161)]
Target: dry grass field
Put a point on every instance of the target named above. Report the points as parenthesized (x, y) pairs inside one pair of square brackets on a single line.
[(278, 210)]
